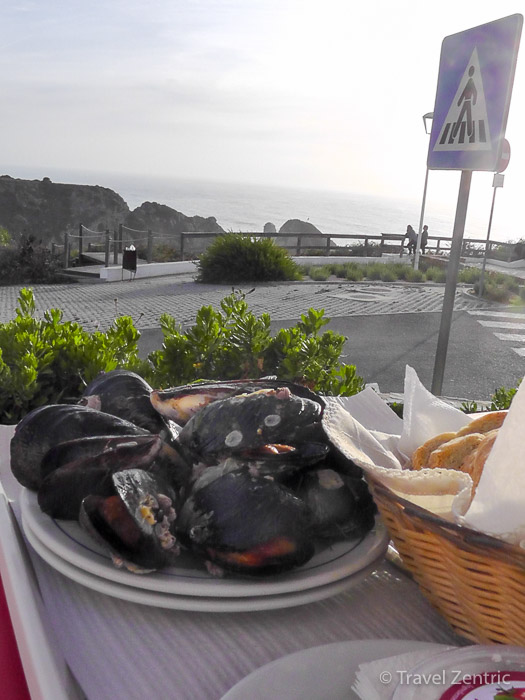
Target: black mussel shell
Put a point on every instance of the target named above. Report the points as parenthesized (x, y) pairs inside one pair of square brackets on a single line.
[(342, 506), (182, 402), (136, 523), (245, 524), (63, 489), (126, 395), (83, 448), (280, 461), (249, 421), (50, 425)]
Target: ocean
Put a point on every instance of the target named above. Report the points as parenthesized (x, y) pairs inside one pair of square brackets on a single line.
[(247, 207)]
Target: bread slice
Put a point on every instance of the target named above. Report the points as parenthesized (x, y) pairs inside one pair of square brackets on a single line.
[(452, 454), (421, 455), (475, 462), (484, 423)]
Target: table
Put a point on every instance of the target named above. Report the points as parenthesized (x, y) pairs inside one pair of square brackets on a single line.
[(118, 649)]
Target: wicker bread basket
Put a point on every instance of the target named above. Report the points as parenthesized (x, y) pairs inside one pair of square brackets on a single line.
[(475, 581)]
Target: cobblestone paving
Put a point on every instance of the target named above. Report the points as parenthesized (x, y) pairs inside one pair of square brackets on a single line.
[(96, 305)]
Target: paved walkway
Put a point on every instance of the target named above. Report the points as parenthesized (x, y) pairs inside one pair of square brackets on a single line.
[(95, 306)]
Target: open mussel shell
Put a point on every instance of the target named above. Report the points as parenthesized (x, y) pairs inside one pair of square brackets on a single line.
[(127, 395), (135, 523), (50, 425), (182, 402), (249, 421), (341, 505), (245, 524), (63, 489)]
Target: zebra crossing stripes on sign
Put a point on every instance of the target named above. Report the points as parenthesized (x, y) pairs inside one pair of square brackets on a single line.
[(466, 126)]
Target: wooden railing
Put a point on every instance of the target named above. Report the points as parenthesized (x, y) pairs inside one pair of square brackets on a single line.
[(303, 243)]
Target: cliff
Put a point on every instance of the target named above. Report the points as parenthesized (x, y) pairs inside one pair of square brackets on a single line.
[(47, 210)]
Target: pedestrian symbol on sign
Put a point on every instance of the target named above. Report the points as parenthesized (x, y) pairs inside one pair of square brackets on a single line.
[(466, 127)]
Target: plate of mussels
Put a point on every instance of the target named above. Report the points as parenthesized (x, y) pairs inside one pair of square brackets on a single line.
[(214, 493)]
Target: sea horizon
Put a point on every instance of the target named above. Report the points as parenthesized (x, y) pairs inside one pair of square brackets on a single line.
[(248, 207)]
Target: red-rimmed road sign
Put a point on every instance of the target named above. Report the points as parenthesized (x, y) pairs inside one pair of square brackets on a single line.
[(505, 157)]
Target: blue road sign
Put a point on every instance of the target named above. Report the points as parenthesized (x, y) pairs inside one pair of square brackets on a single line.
[(476, 74)]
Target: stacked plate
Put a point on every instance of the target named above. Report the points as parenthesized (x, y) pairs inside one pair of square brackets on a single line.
[(71, 551)]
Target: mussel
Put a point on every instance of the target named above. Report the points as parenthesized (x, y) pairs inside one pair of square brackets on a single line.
[(135, 523), (127, 395), (245, 524), (250, 421), (63, 489), (47, 426), (342, 506), (182, 402)]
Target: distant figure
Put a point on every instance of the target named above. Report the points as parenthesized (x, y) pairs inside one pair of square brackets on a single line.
[(424, 239), (412, 240)]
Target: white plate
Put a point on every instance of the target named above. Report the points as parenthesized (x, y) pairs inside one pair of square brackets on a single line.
[(332, 563), (194, 603), (321, 672)]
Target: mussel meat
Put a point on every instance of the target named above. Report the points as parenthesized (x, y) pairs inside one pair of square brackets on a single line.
[(136, 523)]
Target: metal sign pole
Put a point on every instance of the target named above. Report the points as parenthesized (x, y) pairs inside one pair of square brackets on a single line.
[(485, 254), (421, 220), (451, 282)]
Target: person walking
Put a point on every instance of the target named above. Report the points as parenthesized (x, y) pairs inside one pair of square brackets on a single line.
[(424, 239), (412, 240)]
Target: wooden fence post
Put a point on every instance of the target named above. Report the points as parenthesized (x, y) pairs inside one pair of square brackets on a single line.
[(115, 248), (299, 240), (107, 246), (66, 250), (182, 246), (328, 247), (80, 242), (150, 246), (120, 238)]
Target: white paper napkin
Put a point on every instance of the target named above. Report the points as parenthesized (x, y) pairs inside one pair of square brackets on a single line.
[(498, 507), (376, 680)]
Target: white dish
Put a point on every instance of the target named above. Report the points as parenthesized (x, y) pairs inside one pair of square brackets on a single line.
[(332, 563), (193, 603), (321, 672)]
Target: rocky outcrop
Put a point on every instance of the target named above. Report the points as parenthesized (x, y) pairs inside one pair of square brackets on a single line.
[(311, 237), (269, 227), (47, 210)]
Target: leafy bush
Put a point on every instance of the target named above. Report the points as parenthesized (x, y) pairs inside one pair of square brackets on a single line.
[(388, 275), (233, 343), (29, 262), (354, 272), (501, 400), (320, 273), (435, 274), (469, 275), (373, 271), (236, 257), (414, 275), (50, 360)]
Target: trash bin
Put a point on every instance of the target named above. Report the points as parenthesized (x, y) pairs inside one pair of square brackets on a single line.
[(129, 260)]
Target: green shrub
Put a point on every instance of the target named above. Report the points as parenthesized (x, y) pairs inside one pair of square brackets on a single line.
[(319, 273), (469, 275), (29, 262), (354, 272), (50, 360), (338, 269), (388, 275), (436, 274), (233, 343), (373, 271), (236, 258), (414, 275)]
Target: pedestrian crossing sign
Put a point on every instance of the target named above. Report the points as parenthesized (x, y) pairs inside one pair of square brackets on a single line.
[(476, 75)]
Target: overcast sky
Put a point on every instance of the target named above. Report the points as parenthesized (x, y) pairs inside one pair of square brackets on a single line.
[(324, 94)]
